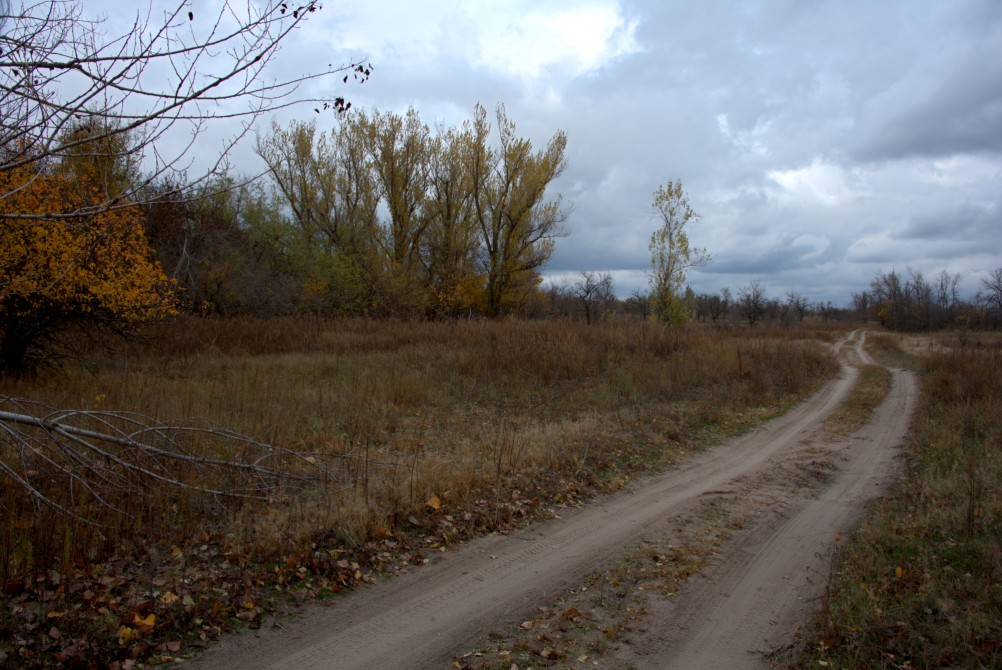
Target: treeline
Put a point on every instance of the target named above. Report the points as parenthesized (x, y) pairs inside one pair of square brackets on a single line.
[(903, 302), (379, 216), (912, 302), (592, 298)]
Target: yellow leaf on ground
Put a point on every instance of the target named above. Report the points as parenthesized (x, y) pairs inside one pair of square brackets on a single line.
[(169, 598), (146, 624), (434, 503), (125, 634)]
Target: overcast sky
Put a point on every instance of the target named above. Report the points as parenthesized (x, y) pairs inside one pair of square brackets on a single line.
[(820, 141)]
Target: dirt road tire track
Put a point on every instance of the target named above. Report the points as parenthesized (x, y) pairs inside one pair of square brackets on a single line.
[(419, 620), (752, 602)]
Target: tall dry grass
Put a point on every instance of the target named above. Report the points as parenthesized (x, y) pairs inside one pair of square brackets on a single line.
[(476, 414)]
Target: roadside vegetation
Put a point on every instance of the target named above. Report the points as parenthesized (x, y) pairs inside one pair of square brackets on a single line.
[(920, 584)]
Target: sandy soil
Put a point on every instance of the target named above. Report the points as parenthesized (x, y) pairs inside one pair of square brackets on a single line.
[(803, 491)]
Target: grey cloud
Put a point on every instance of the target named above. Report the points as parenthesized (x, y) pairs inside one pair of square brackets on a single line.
[(880, 86)]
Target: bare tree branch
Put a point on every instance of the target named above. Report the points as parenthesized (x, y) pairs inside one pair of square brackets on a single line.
[(66, 87), (46, 451)]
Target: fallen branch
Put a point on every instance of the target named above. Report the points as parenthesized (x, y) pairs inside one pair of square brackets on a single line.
[(102, 453)]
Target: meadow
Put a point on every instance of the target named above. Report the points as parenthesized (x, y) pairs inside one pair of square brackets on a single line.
[(296, 455)]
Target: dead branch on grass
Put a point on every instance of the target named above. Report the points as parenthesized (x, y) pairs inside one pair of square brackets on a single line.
[(85, 456)]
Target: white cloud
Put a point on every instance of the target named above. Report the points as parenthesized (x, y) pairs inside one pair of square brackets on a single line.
[(820, 181), (573, 38), (522, 40)]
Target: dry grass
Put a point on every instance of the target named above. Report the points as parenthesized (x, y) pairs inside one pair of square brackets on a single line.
[(412, 410), (920, 585), (440, 428)]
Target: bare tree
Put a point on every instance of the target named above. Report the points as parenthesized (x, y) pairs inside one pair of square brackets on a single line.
[(861, 303), (640, 303), (594, 291), (992, 289), (69, 89), (796, 306), (752, 302)]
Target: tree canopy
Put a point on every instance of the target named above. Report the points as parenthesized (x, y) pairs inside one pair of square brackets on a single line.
[(56, 273)]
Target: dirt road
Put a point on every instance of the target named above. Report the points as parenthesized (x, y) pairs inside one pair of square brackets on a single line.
[(747, 601)]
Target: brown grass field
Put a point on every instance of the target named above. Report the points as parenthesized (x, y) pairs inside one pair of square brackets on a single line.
[(364, 446)]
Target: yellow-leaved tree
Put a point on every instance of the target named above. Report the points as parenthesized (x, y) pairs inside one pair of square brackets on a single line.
[(58, 273), (671, 254)]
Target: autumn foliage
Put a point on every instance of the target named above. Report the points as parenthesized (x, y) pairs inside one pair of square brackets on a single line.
[(61, 272)]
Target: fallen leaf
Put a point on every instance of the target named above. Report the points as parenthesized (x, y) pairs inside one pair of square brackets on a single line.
[(144, 624), (124, 635), (174, 646), (169, 598), (527, 625), (434, 503)]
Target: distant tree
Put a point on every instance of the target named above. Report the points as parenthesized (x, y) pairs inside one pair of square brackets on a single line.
[(725, 302), (752, 302), (671, 254), (640, 303), (707, 306), (861, 302), (594, 292), (889, 299), (163, 82), (774, 309), (796, 306), (991, 290), (919, 297), (57, 274), (827, 310), (947, 301)]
